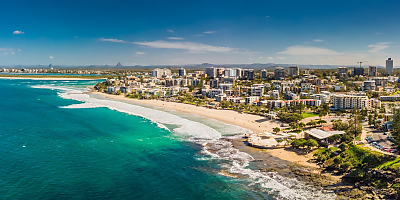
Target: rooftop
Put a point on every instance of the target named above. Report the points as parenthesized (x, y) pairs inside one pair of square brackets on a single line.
[(320, 134)]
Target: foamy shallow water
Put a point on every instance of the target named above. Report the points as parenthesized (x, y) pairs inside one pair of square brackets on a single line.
[(275, 185)]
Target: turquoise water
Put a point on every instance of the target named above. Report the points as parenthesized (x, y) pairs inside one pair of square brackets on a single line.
[(48, 74), (49, 152)]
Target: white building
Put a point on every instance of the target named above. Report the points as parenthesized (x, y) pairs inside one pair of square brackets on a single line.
[(342, 101), (389, 66), (281, 103), (322, 97), (225, 86), (274, 94), (369, 85), (214, 92), (257, 90), (160, 73), (251, 99)]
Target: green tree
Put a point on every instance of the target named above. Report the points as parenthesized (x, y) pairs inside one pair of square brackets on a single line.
[(276, 130), (334, 138), (396, 128), (370, 120), (320, 122), (293, 125), (310, 143), (340, 126)]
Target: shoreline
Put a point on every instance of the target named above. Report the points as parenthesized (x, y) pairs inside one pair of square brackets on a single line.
[(48, 79), (251, 122)]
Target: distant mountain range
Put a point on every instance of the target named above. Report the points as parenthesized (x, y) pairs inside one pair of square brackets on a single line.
[(193, 66)]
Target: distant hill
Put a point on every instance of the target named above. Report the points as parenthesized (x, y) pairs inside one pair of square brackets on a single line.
[(192, 66)]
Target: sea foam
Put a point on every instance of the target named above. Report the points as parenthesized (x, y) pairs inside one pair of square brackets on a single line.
[(274, 184), (184, 126)]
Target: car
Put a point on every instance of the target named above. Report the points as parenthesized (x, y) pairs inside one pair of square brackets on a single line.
[(385, 149), (384, 133)]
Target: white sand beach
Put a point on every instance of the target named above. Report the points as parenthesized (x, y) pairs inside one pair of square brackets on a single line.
[(254, 123)]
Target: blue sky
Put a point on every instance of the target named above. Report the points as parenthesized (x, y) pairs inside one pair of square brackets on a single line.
[(190, 32)]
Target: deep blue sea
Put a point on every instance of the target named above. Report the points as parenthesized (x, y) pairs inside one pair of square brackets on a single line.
[(54, 147)]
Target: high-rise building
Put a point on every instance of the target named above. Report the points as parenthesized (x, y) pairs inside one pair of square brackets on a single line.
[(294, 70), (358, 71), (342, 101), (342, 72), (372, 71), (229, 73), (264, 74), (159, 73), (182, 72), (239, 72), (211, 72), (389, 66), (248, 74), (279, 73)]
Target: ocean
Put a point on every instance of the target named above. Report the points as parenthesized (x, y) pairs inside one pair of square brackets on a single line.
[(57, 142)]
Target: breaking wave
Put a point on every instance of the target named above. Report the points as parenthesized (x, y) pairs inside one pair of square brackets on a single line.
[(214, 147)]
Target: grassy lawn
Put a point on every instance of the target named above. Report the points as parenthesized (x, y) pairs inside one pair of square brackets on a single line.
[(306, 115), (393, 164)]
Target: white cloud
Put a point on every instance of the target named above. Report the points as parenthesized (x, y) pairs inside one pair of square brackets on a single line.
[(318, 40), (267, 16), (308, 50), (171, 31), (111, 40), (175, 38), (2, 49), (260, 57), (17, 32), (190, 46), (209, 32), (270, 58), (280, 58), (378, 46), (140, 53), (51, 57), (19, 49), (12, 53)]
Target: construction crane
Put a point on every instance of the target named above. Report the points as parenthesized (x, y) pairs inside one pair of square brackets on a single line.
[(361, 62)]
